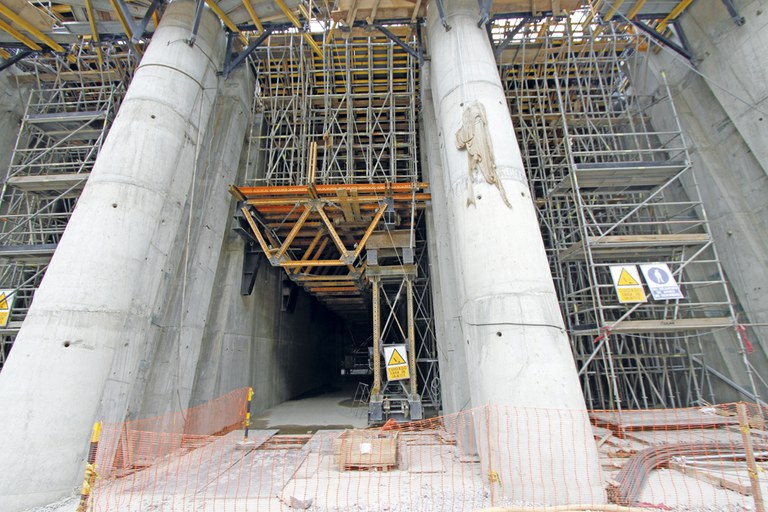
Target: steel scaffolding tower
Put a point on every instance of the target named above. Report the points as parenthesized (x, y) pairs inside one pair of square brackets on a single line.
[(358, 103), (613, 191), (332, 192), (63, 127)]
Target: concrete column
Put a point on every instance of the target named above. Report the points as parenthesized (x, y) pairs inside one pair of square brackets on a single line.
[(453, 374), (95, 296), (518, 355), (12, 103)]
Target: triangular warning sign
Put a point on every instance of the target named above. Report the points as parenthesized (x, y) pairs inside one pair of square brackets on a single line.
[(625, 279), (396, 358), (3, 301)]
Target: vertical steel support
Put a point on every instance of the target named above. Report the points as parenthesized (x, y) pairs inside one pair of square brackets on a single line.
[(411, 336), (196, 22), (376, 390)]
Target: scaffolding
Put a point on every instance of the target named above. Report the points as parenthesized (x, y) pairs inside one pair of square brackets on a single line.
[(614, 192), (332, 193), (358, 103), (64, 124)]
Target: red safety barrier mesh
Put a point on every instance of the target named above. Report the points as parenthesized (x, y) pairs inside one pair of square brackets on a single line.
[(682, 459)]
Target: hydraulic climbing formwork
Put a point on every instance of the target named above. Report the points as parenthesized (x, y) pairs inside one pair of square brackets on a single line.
[(612, 191), (64, 125)]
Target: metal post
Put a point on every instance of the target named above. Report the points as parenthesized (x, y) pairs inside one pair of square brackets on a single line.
[(376, 403), (754, 478), (411, 335), (89, 478), (376, 391), (247, 422)]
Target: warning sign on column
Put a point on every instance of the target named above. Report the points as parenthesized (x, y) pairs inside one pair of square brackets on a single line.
[(396, 358), (626, 281), (6, 303)]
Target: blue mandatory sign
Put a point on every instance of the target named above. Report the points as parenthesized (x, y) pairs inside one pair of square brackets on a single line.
[(658, 275)]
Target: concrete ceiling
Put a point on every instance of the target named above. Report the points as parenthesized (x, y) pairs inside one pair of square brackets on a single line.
[(67, 21)]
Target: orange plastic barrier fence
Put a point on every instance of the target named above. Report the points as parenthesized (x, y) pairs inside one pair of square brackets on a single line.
[(708, 459)]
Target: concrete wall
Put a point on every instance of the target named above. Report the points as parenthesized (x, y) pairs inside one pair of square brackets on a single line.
[(724, 116), (250, 341)]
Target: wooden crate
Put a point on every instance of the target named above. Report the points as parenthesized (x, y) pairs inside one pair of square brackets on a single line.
[(366, 450)]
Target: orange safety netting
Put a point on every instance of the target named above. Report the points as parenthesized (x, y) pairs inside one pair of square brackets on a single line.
[(494, 456)]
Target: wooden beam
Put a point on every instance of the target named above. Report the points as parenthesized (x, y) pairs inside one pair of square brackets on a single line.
[(332, 231), (296, 228), (374, 223), (256, 231), (313, 263), (311, 247)]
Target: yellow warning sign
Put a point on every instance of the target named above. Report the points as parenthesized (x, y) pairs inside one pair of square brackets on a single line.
[(6, 303), (398, 372), (630, 294), (395, 358), (626, 280)]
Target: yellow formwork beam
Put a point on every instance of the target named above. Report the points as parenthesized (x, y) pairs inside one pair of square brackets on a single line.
[(122, 19), (636, 8), (94, 31), (297, 23), (613, 9), (4, 54), (254, 17), (19, 36), (29, 27), (674, 13), (225, 19)]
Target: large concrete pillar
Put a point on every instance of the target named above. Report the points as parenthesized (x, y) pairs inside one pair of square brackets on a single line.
[(517, 350), (112, 258), (12, 102), (453, 367)]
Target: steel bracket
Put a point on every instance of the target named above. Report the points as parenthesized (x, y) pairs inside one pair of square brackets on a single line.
[(507, 40), (416, 54), (485, 12), (16, 58), (441, 10), (139, 32), (231, 64), (252, 257), (738, 19), (196, 22), (664, 41)]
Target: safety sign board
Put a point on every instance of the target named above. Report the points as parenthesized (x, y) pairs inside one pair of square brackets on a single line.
[(6, 303), (626, 280), (661, 282), (396, 358)]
